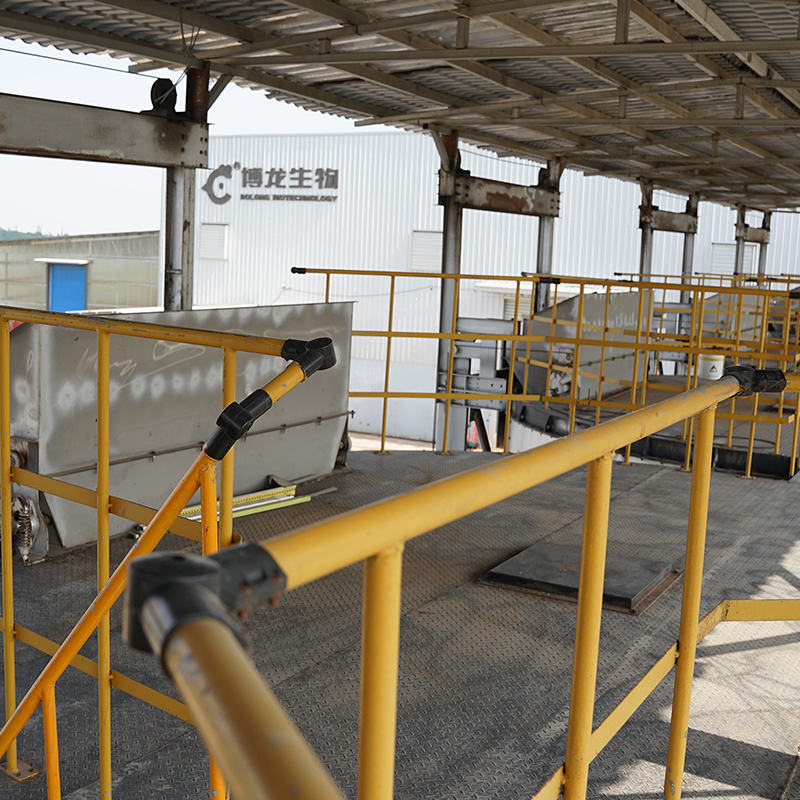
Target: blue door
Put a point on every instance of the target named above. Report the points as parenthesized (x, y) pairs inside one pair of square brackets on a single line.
[(67, 287)]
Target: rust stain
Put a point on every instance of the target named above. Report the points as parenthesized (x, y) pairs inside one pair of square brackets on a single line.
[(503, 202)]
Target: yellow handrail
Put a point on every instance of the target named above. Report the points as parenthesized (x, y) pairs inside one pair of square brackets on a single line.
[(259, 749), (376, 535), (158, 523), (711, 320)]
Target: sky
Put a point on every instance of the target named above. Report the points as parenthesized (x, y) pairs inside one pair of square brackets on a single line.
[(59, 196)]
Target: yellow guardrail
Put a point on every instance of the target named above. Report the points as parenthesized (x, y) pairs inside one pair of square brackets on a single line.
[(377, 534), (750, 324), (201, 475)]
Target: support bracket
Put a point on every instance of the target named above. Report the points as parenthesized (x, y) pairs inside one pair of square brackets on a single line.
[(24, 771), (491, 195)]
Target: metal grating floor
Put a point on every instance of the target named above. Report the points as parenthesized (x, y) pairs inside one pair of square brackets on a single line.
[(484, 673)]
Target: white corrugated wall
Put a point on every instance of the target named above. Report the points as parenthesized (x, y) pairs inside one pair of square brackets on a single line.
[(386, 191)]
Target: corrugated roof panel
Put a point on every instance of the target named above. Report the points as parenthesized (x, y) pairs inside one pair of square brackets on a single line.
[(411, 86)]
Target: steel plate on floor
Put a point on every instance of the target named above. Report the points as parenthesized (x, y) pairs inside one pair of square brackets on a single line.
[(631, 583)]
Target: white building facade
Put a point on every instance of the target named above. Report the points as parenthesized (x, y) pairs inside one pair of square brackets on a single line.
[(369, 201)]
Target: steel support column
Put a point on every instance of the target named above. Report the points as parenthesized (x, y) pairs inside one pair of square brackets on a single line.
[(741, 238), (549, 179), (687, 262), (646, 225), (179, 239), (447, 145), (762, 248), (179, 223)]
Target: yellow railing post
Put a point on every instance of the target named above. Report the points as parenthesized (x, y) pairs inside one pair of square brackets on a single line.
[(635, 376), (784, 365), (389, 323), (69, 648), (380, 652), (576, 359), (690, 606), (451, 356), (227, 470), (761, 333), (587, 627), (7, 540), (601, 376), (210, 544), (512, 363), (103, 630), (51, 743), (695, 378)]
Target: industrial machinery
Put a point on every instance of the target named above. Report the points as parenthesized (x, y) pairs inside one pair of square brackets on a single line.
[(161, 397)]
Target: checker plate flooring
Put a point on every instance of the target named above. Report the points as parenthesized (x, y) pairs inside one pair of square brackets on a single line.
[(484, 672)]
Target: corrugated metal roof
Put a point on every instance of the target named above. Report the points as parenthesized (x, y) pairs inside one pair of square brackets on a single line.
[(641, 94)]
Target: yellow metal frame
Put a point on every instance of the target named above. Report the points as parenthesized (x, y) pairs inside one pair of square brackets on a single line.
[(719, 311), (201, 475), (376, 534), (259, 748)]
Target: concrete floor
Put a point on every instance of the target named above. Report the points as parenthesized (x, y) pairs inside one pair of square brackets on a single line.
[(484, 672)]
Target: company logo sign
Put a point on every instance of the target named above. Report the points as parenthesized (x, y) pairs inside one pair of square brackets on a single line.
[(317, 184)]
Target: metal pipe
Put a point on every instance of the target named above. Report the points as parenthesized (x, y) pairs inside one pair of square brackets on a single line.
[(208, 507), (317, 550), (544, 260), (762, 248), (151, 454), (210, 544), (690, 606), (260, 751), (741, 233), (380, 653), (646, 225), (576, 359), (453, 216), (461, 441), (51, 743), (9, 665), (448, 302), (77, 637), (512, 362), (179, 238), (587, 627), (762, 335), (103, 563), (389, 323), (197, 93), (687, 261), (227, 469), (548, 179), (263, 345)]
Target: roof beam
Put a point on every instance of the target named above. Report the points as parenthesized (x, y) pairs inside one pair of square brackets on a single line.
[(482, 70), (185, 16), (525, 52), (32, 126), (672, 35), (488, 73), (380, 26), (26, 23), (531, 31), (661, 122), (716, 26)]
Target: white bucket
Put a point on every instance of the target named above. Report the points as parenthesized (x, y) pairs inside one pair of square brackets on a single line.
[(710, 367)]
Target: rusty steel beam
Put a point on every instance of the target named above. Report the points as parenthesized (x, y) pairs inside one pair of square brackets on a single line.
[(492, 195)]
